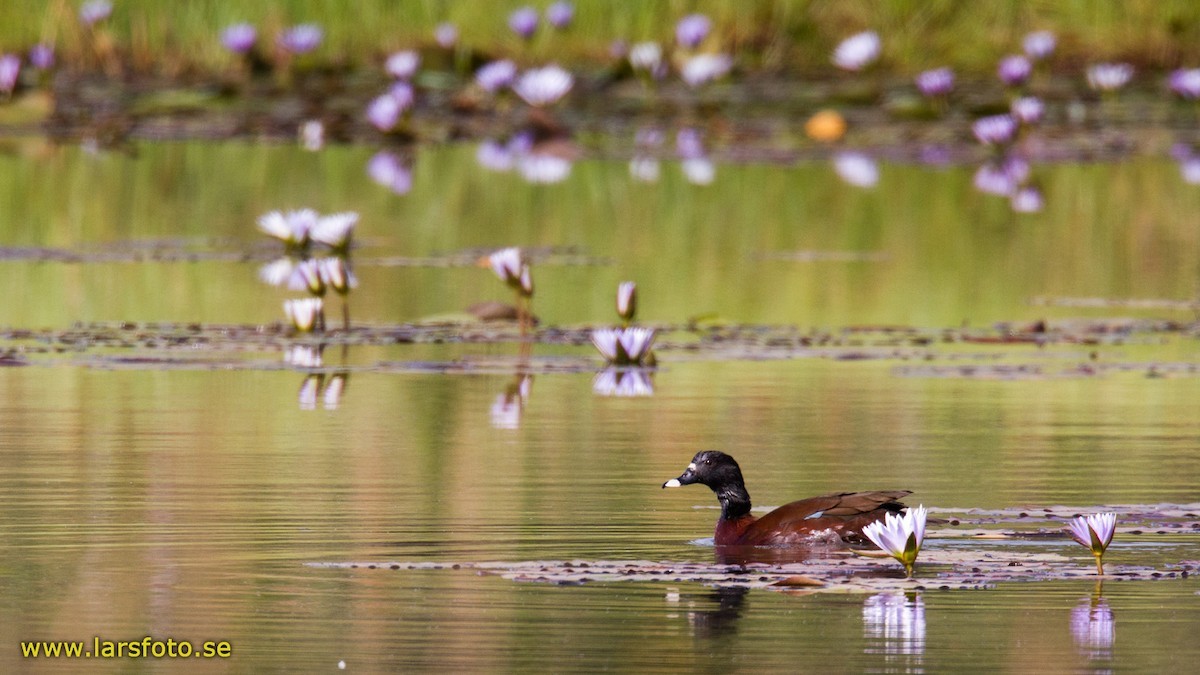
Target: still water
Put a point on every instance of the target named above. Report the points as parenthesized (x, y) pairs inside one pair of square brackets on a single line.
[(189, 502)]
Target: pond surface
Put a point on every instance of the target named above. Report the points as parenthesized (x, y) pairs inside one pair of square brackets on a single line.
[(214, 492)]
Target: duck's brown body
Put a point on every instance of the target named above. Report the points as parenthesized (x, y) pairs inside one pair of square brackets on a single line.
[(804, 522)]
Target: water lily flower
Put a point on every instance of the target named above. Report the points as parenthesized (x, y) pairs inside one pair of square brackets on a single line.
[(857, 51), (403, 65), (1095, 532), (306, 276), (543, 86), (625, 346), (900, 536), (1002, 178), (1039, 44), (691, 30), (337, 275), (560, 14), (386, 169), (935, 83), (446, 35), (301, 39), (494, 156), (646, 57), (312, 135), (626, 300), (523, 22), (94, 11), (41, 56), (622, 383), (277, 272), (335, 230), (292, 228), (305, 314), (494, 76), (542, 168), (303, 356), (508, 264), (1185, 82), (384, 112), (856, 168), (239, 38), (1014, 70), (645, 169), (995, 129), (1027, 110), (10, 68), (1108, 77), (704, 68), (1027, 199)]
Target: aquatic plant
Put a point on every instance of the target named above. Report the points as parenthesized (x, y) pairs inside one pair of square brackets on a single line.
[(1039, 45), (645, 169), (856, 168), (312, 135), (403, 65), (1185, 83), (995, 129), (41, 56), (1109, 77), (1027, 199), (386, 169), (494, 76), (1014, 70), (445, 34), (541, 87), (543, 168), (384, 111), (857, 51), (335, 230), (692, 29), (300, 39), (94, 11), (900, 536), (1027, 110), (239, 38), (936, 83), (305, 314), (291, 227), (1094, 532), (625, 346), (524, 22), (511, 267), (626, 300), (306, 276), (560, 14), (10, 69), (509, 405), (701, 69), (647, 58)]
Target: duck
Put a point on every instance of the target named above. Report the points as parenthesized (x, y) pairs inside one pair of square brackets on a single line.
[(824, 519)]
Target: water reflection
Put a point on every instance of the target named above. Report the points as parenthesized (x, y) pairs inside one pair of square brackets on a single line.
[(712, 614), (508, 407), (894, 625), (325, 388), (1094, 628), (623, 382)]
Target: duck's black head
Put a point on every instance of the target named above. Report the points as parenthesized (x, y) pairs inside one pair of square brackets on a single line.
[(709, 467)]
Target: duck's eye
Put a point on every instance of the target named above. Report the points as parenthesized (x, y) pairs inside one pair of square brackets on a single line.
[(708, 462)]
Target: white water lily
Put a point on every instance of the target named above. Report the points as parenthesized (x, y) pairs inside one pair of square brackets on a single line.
[(1109, 76), (292, 228), (1095, 532), (645, 56), (624, 346), (337, 275), (506, 263), (403, 65), (305, 314), (543, 86), (543, 169), (306, 276), (335, 230), (857, 51), (704, 68), (277, 272), (856, 168), (900, 536)]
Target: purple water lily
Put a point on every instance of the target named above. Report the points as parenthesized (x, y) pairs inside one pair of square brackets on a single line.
[(494, 76), (446, 35), (691, 30), (524, 22), (10, 68), (301, 39), (1027, 110), (41, 56), (386, 169), (560, 14), (1094, 532), (239, 38), (1014, 70), (995, 129), (1185, 82), (1039, 45), (94, 11), (936, 83)]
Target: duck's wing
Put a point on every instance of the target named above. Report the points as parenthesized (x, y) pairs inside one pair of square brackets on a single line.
[(843, 513)]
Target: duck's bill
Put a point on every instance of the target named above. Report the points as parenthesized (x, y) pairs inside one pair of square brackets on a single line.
[(674, 482)]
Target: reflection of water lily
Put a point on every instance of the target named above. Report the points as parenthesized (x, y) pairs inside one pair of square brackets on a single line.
[(857, 51), (625, 346), (856, 168), (334, 390), (622, 383), (386, 169), (312, 135), (995, 129), (900, 536), (543, 168), (704, 68), (699, 170), (508, 407), (1093, 628), (305, 314), (303, 356), (1026, 199), (897, 621), (310, 389), (645, 169), (1095, 532)]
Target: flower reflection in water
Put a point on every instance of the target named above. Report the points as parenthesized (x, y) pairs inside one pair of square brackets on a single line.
[(622, 382), (325, 388), (1093, 627), (508, 407), (894, 625)]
